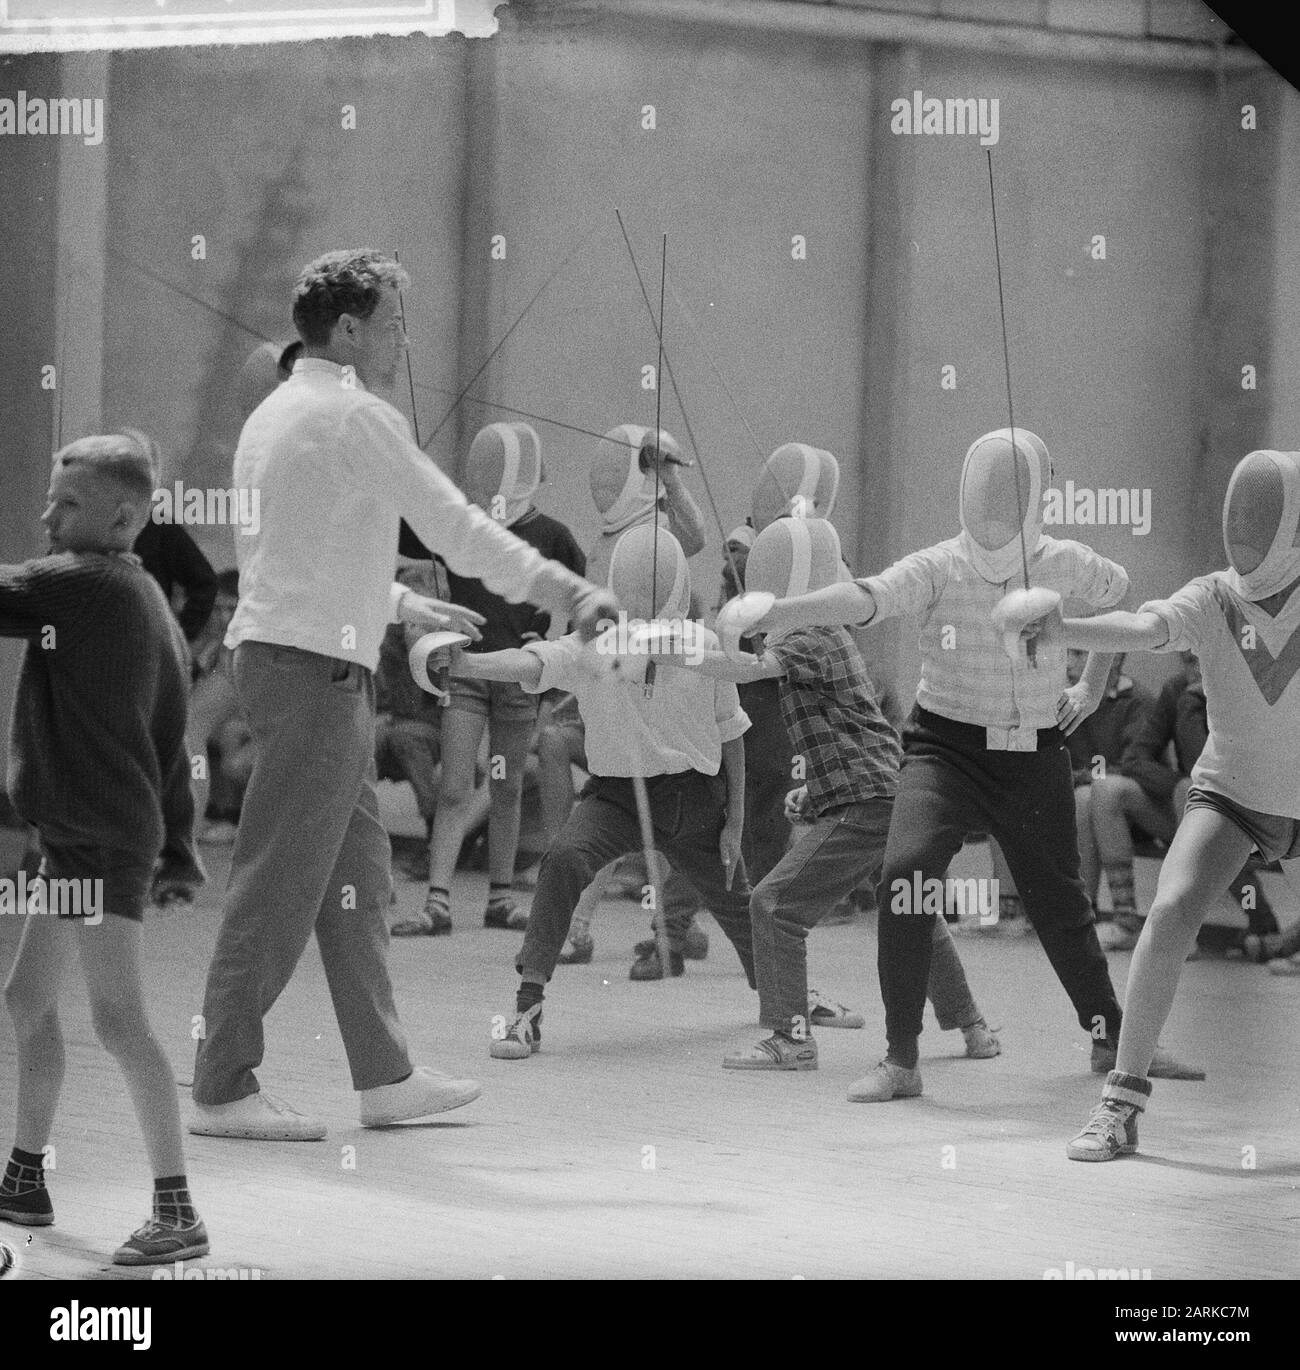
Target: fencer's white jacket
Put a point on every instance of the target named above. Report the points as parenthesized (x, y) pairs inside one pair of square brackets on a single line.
[(335, 468), (965, 673), (1250, 668), (681, 726)]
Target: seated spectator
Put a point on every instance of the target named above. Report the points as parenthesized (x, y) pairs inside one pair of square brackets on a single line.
[(1148, 796)]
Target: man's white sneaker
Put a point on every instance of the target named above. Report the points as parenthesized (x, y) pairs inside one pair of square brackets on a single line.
[(257, 1117), (424, 1092)]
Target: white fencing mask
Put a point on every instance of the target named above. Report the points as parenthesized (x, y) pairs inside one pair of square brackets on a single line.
[(263, 371), (793, 556), (1261, 515), (622, 492), (644, 557), (503, 470), (796, 480), (1001, 496)]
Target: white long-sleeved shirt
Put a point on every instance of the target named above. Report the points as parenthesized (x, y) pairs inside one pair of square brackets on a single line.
[(335, 469)]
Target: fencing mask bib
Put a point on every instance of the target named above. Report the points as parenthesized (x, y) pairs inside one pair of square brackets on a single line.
[(1261, 517), (993, 511), (504, 469), (650, 584), (797, 480)]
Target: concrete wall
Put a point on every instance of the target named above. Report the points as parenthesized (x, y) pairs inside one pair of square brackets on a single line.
[(1129, 367), (29, 181)]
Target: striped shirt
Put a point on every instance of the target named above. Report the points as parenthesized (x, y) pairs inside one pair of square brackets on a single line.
[(966, 674), (850, 751)]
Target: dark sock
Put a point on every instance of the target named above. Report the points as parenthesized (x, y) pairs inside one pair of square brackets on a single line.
[(24, 1172), (172, 1203), (527, 995)]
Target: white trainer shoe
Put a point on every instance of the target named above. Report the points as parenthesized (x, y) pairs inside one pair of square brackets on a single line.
[(424, 1092), (257, 1117)]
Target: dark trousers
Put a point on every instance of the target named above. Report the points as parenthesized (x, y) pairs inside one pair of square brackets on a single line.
[(767, 831), (687, 812), (951, 785), (840, 851)]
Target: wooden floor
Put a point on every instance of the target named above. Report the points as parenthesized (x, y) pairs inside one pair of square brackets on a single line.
[(624, 1150)]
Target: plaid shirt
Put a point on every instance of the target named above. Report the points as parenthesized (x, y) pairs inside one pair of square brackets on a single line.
[(850, 751), (965, 673)]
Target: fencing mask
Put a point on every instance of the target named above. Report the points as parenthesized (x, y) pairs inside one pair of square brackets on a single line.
[(504, 469), (993, 510), (796, 480), (620, 489), (635, 567), (793, 556), (263, 371), (1261, 515)]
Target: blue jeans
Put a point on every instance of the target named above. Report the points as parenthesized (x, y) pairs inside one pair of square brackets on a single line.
[(839, 853)]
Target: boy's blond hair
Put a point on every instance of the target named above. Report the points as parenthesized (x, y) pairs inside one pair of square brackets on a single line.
[(129, 459)]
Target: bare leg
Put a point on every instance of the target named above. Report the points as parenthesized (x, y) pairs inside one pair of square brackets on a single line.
[(32, 997), (461, 733), (510, 743), (1207, 850), (110, 961)]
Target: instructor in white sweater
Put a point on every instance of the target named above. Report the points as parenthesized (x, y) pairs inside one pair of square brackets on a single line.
[(333, 468)]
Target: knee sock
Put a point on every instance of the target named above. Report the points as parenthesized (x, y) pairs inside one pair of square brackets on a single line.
[(1120, 879), (1126, 1091), (172, 1204), (24, 1173)]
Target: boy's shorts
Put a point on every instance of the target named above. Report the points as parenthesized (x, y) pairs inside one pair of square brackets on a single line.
[(1277, 838), (502, 700), (124, 880)]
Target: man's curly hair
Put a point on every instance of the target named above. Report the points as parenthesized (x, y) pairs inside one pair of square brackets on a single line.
[(346, 282)]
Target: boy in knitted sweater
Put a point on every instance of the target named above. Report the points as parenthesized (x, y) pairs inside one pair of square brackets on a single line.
[(98, 766)]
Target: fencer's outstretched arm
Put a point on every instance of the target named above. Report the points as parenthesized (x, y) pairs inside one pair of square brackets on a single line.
[(721, 667), (1118, 631), (513, 665), (847, 603)]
